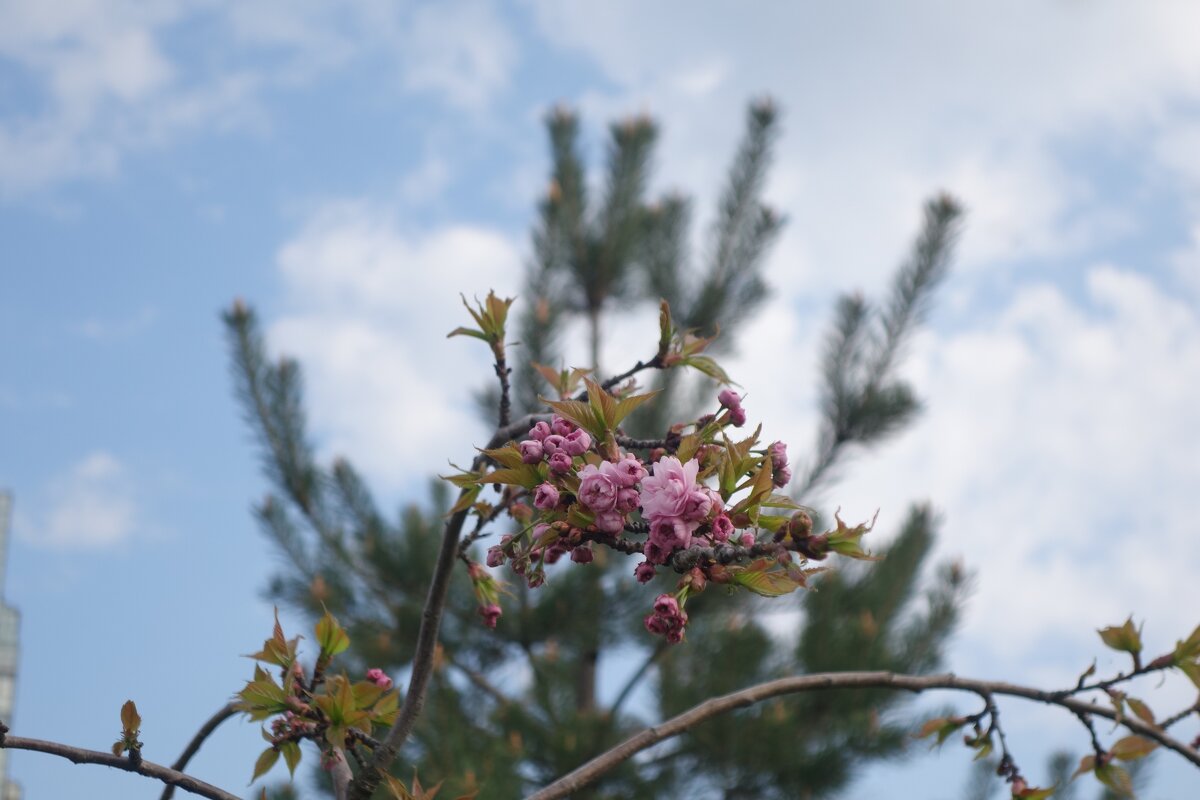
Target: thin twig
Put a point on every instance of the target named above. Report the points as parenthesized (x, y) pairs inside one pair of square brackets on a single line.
[(716, 706), (78, 755), (225, 712)]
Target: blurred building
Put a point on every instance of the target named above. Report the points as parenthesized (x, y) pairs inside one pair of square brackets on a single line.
[(9, 623)]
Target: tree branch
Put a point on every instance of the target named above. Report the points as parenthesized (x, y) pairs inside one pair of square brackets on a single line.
[(224, 713), (716, 706), (78, 755)]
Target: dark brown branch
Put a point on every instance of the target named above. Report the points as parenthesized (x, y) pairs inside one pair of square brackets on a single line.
[(225, 712), (716, 706), (78, 755), (502, 372)]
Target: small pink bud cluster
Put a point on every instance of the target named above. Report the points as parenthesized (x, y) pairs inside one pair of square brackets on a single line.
[(291, 726), (557, 443), (731, 400), (668, 619), (781, 473), (379, 678), (609, 491)]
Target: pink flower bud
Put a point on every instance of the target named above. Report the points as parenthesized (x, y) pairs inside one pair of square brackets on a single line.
[(539, 431), (377, 677), (747, 540), (491, 614), (737, 416), (545, 496), (553, 443), (578, 442), (582, 554), (722, 528), (729, 398), (666, 605), (495, 556), (531, 451), (562, 427), (644, 572), (561, 462)]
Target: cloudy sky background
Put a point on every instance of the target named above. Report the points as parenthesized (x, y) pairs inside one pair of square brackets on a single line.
[(349, 170)]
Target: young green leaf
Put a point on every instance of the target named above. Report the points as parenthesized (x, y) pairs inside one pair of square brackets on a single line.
[(331, 637), (1125, 638), (264, 763), (1132, 748), (131, 721)]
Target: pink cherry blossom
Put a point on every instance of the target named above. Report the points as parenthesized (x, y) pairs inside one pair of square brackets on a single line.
[(598, 487), (666, 492)]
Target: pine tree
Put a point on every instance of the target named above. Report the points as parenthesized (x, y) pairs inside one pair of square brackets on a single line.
[(516, 707)]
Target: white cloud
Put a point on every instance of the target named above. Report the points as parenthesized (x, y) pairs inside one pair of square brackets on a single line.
[(885, 104), (369, 306), (90, 506), (106, 81), (1060, 441)]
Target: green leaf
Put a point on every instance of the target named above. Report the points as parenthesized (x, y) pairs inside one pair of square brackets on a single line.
[(1132, 748), (507, 456), (526, 476), (467, 332), (1189, 648), (1086, 764), (944, 727), (764, 580), (709, 367), (845, 540), (1033, 793), (331, 637), (603, 404), (466, 499), (131, 721), (1142, 710), (264, 763), (1115, 778), (1192, 670), (665, 328), (579, 413), (627, 405), (291, 756), (1125, 638)]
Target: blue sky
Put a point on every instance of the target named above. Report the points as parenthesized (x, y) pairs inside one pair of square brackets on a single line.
[(349, 168)]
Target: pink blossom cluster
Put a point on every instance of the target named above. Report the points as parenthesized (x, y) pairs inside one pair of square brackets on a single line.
[(668, 619), (557, 443), (582, 499), (378, 677), (676, 505)]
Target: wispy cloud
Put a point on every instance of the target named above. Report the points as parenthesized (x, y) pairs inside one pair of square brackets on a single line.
[(105, 79), (89, 506), (369, 304)]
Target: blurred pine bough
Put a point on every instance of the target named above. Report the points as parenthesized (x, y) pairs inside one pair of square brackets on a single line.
[(511, 709)]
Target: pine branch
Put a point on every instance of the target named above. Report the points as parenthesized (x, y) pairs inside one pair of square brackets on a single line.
[(862, 401)]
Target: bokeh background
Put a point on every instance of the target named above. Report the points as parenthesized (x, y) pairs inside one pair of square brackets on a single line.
[(349, 168)]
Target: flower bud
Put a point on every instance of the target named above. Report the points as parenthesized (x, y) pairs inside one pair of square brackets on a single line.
[(560, 462), (545, 496), (531, 451)]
